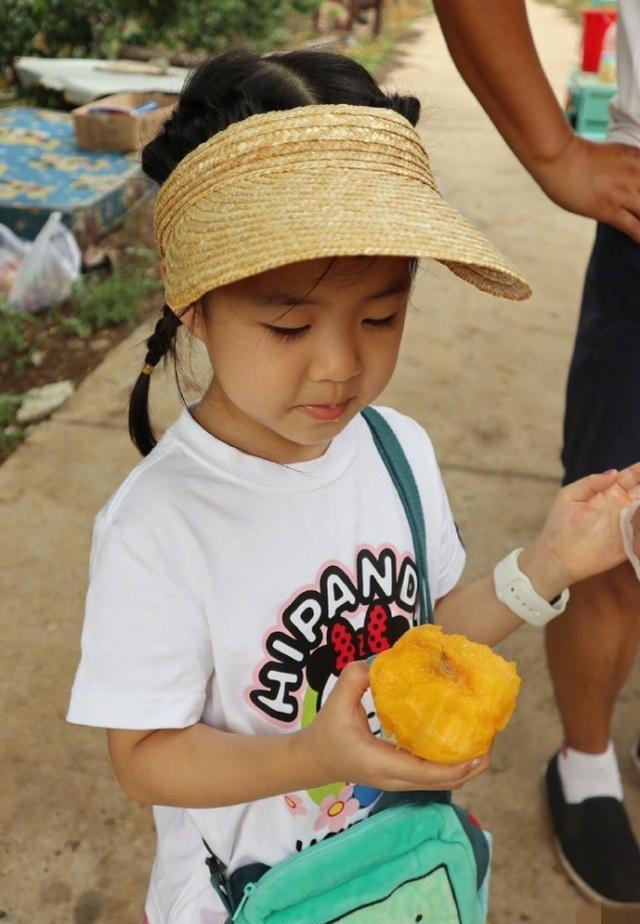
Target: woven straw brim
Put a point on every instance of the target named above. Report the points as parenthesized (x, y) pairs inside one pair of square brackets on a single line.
[(317, 181), (286, 222)]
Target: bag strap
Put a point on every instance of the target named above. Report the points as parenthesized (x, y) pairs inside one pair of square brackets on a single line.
[(231, 888), (393, 456), (218, 878)]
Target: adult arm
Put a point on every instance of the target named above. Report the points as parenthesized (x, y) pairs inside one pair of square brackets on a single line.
[(493, 48)]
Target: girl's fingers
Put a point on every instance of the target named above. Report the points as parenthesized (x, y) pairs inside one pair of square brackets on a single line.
[(459, 782), (629, 478), (352, 684), (416, 773), (404, 784), (586, 488), (481, 768)]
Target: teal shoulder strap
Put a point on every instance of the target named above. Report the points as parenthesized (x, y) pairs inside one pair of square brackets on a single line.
[(397, 464)]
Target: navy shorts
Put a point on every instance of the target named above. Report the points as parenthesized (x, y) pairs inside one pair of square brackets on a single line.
[(602, 416)]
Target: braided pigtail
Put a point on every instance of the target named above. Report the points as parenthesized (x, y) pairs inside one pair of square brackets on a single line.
[(161, 344)]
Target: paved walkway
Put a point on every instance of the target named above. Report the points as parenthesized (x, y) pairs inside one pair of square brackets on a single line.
[(485, 377)]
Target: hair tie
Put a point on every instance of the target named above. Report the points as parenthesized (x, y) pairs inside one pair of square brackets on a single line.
[(147, 369)]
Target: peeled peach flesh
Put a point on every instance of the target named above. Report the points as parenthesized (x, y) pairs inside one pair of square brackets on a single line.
[(443, 697)]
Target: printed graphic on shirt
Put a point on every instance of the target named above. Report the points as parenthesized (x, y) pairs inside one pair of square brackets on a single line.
[(345, 616), (426, 899)]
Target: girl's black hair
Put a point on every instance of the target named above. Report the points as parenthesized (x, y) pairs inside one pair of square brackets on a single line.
[(225, 89)]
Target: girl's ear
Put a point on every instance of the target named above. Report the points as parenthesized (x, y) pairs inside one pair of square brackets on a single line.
[(193, 320)]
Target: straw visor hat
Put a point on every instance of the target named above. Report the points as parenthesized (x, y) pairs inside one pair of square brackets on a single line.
[(315, 181)]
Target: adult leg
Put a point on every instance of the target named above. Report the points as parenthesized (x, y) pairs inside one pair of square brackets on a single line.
[(590, 652), (592, 647)]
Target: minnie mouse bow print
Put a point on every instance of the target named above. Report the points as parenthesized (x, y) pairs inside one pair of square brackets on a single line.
[(346, 644)]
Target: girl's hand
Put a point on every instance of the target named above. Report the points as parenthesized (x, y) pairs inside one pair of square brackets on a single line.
[(581, 536), (341, 745)]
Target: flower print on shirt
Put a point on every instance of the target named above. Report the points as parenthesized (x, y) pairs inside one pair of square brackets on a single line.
[(336, 810), (295, 804)]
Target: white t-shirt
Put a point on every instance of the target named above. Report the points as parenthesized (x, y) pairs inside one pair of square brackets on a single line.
[(624, 110), (230, 590)]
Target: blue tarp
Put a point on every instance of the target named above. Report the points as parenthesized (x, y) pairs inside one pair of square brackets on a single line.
[(42, 170)]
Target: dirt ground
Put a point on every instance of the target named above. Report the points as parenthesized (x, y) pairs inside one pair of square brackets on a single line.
[(485, 377)]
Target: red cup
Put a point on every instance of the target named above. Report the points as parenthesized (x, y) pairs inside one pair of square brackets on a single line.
[(594, 25)]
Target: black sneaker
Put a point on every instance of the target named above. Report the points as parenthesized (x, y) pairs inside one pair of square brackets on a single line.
[(595, 844)]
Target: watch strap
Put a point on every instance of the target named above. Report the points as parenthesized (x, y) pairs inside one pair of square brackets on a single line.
[(515, 590)]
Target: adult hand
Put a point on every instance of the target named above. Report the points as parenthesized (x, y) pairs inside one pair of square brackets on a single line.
[(342, 745), (601, 181), (581, 535)]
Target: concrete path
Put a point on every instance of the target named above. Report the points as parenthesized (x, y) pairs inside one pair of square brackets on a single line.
[(487, 380)]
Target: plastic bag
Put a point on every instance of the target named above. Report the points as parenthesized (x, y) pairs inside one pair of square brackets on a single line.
[(12, 250), (47, 268), (630, 529)]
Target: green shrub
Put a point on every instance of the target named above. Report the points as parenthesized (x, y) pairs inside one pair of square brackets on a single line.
[(215, 24), (97, 28), (18, 26)]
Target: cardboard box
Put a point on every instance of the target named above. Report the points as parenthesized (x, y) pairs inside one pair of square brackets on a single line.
[(109, 123)]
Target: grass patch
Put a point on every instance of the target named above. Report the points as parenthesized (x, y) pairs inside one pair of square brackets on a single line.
[(109, 302), (373, 53), (397, 16), (572, 7), (10, 432), (16, 334)]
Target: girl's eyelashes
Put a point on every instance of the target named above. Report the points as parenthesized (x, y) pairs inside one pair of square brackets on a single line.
[(287, 333), (292, 333), (389, 321)]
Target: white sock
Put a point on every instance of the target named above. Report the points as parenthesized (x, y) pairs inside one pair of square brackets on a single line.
[(586, 775)]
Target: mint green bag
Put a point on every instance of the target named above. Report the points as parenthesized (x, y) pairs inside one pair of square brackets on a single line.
[(405, 864), (415, 858)]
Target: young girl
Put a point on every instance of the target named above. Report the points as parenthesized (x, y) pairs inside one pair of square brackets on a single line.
[(259, 553)]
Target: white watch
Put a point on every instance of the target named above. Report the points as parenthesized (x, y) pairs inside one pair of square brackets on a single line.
[(515, 590)]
